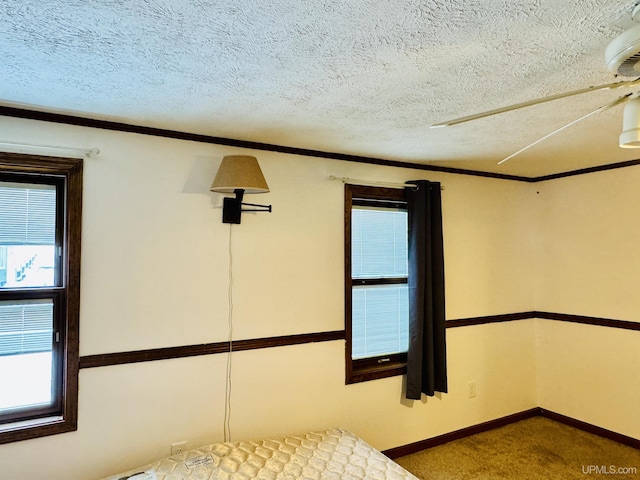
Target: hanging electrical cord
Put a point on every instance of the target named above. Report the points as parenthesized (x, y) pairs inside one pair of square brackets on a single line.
[(227, 397)]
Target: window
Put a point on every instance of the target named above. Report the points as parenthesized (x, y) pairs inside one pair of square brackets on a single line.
[(40, 210), (376, 290)]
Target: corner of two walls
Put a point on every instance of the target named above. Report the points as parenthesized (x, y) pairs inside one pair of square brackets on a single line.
[(588, 264)]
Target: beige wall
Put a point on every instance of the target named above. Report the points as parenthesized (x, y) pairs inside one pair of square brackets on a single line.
[(589, 264), (590, 373), (155, 274), (588, 244)]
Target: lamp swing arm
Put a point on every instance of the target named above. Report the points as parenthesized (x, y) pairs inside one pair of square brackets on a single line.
[(261, 208), (239, 192)]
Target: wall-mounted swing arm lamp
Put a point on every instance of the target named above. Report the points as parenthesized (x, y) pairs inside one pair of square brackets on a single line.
[(239, 174)]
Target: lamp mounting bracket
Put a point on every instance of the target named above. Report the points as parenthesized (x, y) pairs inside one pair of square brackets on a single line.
[(232, 207)]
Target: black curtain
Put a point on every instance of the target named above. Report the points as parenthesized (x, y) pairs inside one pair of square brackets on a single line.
[(427, 357)]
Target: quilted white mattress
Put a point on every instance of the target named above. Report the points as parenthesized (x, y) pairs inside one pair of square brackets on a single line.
[(332, 454)]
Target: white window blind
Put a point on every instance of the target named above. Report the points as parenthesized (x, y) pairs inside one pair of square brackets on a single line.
[(378, 242), (27, 236), (380, 311), (380, 320), (26, 327), (27, 214)]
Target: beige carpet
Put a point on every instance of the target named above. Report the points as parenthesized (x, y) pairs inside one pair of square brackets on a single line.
[(537, 448)]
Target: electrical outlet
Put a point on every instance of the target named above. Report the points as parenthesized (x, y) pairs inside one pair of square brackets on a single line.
[(178, 447), (472, 389)]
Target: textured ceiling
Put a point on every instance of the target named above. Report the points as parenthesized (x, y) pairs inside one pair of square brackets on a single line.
[(362, 77)]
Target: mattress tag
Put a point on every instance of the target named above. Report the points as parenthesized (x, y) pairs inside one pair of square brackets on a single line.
[(200, 461), (148, 475)]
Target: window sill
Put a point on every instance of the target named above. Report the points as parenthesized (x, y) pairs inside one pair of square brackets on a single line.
[(375, 372), (35, 428)]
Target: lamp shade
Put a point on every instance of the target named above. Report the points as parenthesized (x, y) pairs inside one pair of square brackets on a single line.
[(239, 172), (630, 136)]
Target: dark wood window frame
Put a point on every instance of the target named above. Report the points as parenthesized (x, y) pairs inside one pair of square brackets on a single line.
[(372, 368), (66, 174)]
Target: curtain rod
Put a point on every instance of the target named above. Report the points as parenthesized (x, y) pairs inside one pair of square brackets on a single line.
[(29, 148), (374, 182)]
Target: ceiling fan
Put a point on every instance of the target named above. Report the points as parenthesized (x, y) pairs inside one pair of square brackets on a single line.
[(622, 57)]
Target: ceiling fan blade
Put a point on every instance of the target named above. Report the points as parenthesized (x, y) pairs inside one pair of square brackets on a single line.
[(456, 121), (617, 101)]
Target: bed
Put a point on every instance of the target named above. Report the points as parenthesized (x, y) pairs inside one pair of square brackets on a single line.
[(331, 454)]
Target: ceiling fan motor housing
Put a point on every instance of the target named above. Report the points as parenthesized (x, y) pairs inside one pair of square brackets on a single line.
[(630, 136), (622, 55)]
